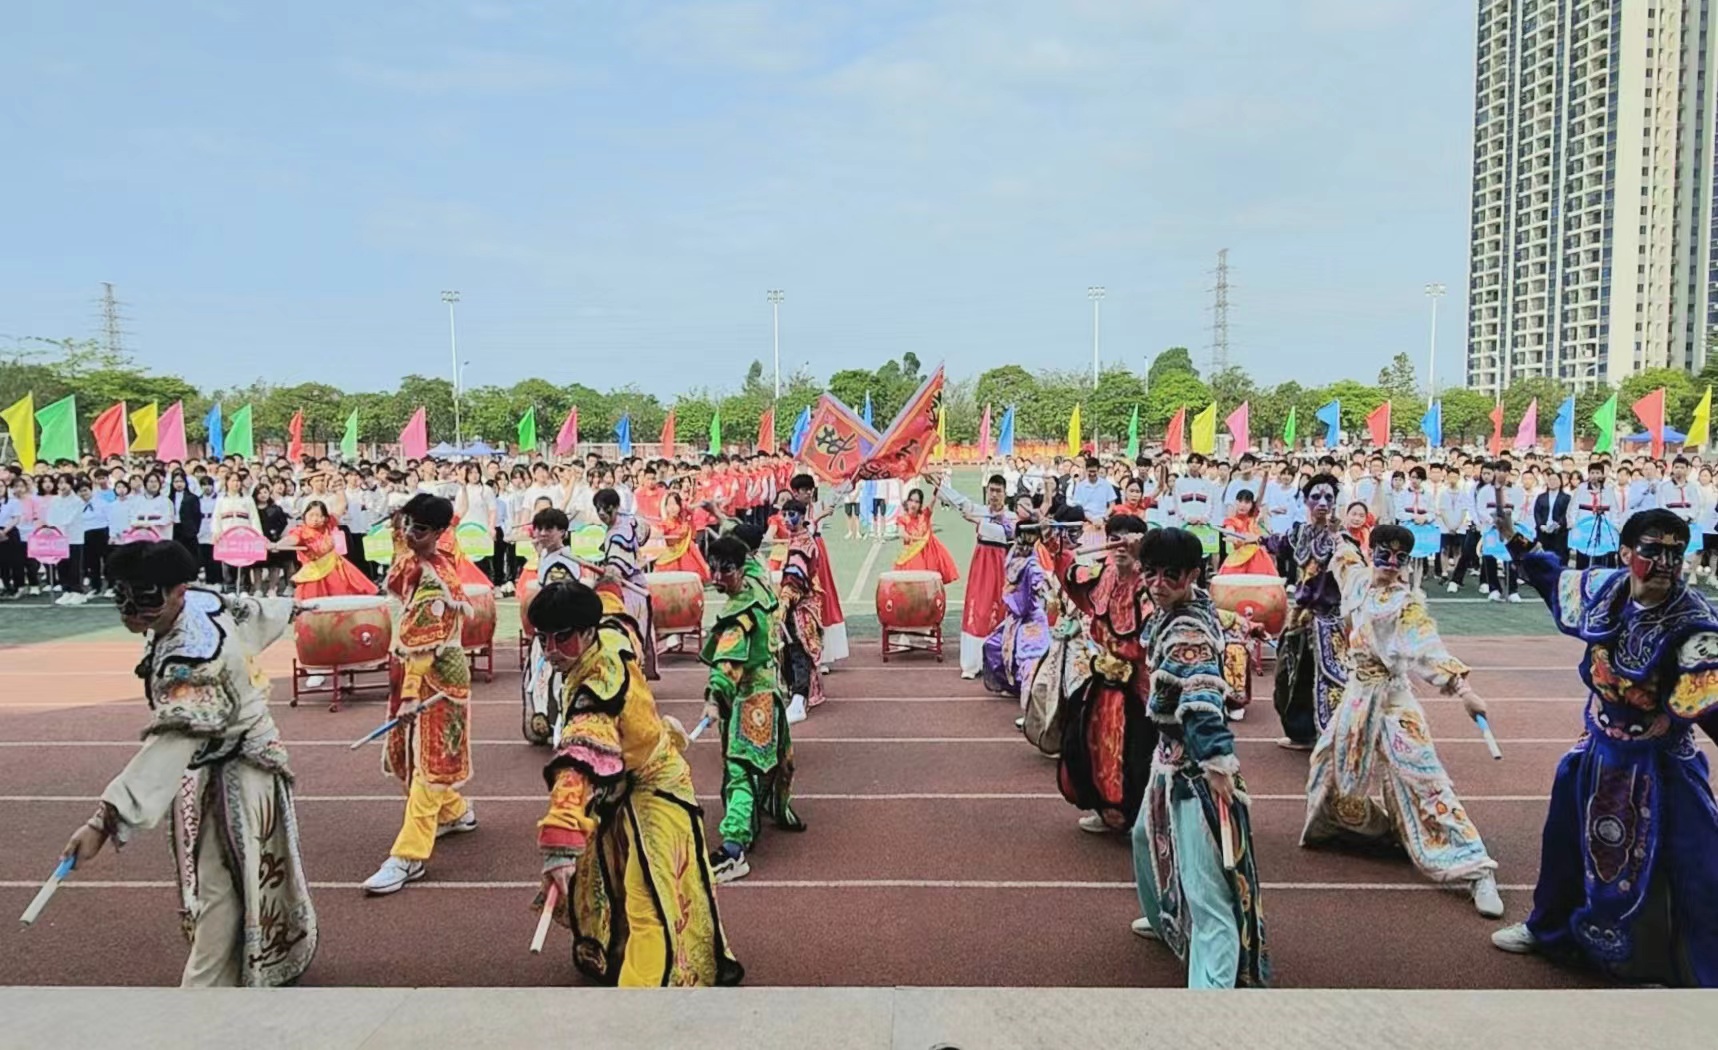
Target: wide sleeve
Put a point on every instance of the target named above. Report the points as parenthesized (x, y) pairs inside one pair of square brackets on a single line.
[(259, 622), (1544, 572), (1078, 581), (143, 792), (730, 652), (952, 496), (1696, 694), (1421, 649), (588, 763), (1190, 664)]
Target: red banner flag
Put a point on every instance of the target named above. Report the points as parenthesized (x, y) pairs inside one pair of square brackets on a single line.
[(1378, 425), (111, 438), (170, 434), (668, 435), (984, 434), (1497, 430), (295, 437), (569, 435), (1239, 429), (902, 450), (1650, 411), (1175, 438), (837, 441), (766, 430), (414, 440)]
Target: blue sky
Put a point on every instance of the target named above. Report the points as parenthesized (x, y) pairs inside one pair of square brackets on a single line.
[(283, 190)]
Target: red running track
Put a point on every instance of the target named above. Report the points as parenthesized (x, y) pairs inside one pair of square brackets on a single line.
[(939, 852)]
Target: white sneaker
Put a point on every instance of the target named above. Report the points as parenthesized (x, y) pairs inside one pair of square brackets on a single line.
[(796, 710), (1496, 596), (35, 592), (79, 598), (1237, 714), (1515, 599), (1454, 588), (62, 600), (1142, 928), (1093, 823), (315, 681), (460, 825), (1484, 589), (1486, 900), (1290, 745), (393, 875), (1516, 940)]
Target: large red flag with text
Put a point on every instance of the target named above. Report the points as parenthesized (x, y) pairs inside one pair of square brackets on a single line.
[(110, 434), (414, 440), (295, 437), (1650, 411), (902, 450), (1175, 438), (837, 441)]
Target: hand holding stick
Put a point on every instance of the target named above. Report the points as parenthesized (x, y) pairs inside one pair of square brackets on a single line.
[(46, 893), (1490, 741), (382, 730), (551, 897)]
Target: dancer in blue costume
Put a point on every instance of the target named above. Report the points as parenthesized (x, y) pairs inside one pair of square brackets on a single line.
[(1630, 849)]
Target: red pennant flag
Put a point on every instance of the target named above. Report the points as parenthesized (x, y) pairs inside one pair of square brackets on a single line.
[(837, 441), (170, 434), (1239, 429), (1497, 430), (984, 434), (1175, 438), (295, 437), (903, 449), (668, 435), (1378, 425), (414, 440), (111, 438), (766, 430), (1650, 411), (569, 435)]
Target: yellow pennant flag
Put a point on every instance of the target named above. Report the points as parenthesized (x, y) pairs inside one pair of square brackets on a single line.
[(1700, 431), (1074, 432), (143, 424), (1205, 431), (20, 422), (942, 434)]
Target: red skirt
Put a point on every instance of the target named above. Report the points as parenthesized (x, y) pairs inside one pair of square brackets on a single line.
[(826, 580), (343, 581), (983, 609), (692, 561), (932, 557)]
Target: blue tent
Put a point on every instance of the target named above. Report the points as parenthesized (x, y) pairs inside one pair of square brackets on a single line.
[(444, 450), (1672, 436)]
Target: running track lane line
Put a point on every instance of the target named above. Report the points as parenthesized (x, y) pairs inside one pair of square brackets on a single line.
[(955, 796), (827, 884), (987, 698), (856, 593), (1476, 739), (500, 671)]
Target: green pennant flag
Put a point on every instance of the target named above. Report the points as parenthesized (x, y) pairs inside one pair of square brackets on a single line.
[(240, 441), (528, 430), (1133, 435), (349, 440), (716, 433), (1606, 420), (1288, 428), (59, 423)]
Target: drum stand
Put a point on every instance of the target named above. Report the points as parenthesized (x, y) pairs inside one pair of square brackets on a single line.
[(926, 639), (341, 680), (482, 660), (678, 638)]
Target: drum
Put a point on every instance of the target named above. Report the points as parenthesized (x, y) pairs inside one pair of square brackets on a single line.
[(1208, 537), (1263, 599), (348, 631), (676, 602), (910, 601), (526, 589), (478, 629)]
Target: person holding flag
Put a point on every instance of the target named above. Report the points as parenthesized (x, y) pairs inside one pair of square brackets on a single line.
[(984, 607)]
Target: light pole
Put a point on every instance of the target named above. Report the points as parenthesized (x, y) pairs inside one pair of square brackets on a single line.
[(451, 297), (1434, 292), (1096, 294), (775, 297)]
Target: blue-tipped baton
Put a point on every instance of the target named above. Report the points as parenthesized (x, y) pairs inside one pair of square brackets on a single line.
[(382, 730), (698, 730), (46, 893), (1490, 741)]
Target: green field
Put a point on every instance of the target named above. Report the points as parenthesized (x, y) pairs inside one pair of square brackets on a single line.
[(856, 564)]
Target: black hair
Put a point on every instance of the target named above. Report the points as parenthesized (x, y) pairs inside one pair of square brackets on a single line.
[(802, 481), (428, 509), (751, 536), (1176, 550), (996, 479), (550, 518), (793, 506), (1392, 535), (566, 605), (161, 563), (1321, 478), (606, 499), (1246, 494), (1071, 512), (1092, 461), (1655, 520), (1123, 525), (729, 552)]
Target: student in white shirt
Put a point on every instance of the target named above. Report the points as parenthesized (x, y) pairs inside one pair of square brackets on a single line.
[(66, 513), (1681, 496), (153, 510), (12, 554)]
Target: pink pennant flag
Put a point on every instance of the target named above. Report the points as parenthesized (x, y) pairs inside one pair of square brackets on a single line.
[(414, 440), (569, 435), (1527, 435), (984, 434), (1238, 428), (170, 434)]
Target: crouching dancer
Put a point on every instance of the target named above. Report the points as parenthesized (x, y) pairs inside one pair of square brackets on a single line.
[(212, 757)]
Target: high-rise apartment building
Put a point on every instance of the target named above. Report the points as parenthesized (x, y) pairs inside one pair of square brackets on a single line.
[(1593, 222)]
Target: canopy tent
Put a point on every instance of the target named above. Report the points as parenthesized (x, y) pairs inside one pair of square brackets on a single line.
[(1672, 436), (444, 450), (478, 448)]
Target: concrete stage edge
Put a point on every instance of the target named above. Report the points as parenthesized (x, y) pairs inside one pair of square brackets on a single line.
[(859, 1018)]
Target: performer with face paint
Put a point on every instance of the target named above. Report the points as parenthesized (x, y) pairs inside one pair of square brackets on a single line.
[(801, 614), (623, 570), (1630, 849), (1312, 655), (1379, 731)]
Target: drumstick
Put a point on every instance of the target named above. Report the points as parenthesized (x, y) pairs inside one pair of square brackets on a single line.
[(698, 730), (382, 730), (46, 893), (551, 897), (1490, 741), (1226, 833)]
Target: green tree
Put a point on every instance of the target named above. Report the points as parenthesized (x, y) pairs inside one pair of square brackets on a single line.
[(1397, 380), (1005, 386), (1467, 415), (1522, 393), (1358, 401), (1175, 359), (1231, 386), (1680, 397), (1173, 391), (1110, 406)]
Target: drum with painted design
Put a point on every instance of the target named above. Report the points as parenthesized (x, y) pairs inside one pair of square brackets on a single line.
[(910, 601), (478, 629), (1261, 598), (676, 602), (347, 631), (526, 589)]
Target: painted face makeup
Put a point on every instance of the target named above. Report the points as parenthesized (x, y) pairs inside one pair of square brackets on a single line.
[(1657, 560), (1389, 557), (1321, 498), (139, 601)]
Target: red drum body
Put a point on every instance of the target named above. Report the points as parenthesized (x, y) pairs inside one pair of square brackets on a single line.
[(676, 602), (526, 589), (910, 601), (478, 630), (349, 631), (1262, 599)]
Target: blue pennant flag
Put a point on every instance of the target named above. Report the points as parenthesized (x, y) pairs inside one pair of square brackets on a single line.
[(801, 430), (1005, 434), (217, 444), (868, 490), (866, 415), (1563, 430), (1432, 425), (623, 433), (1331, 416)]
